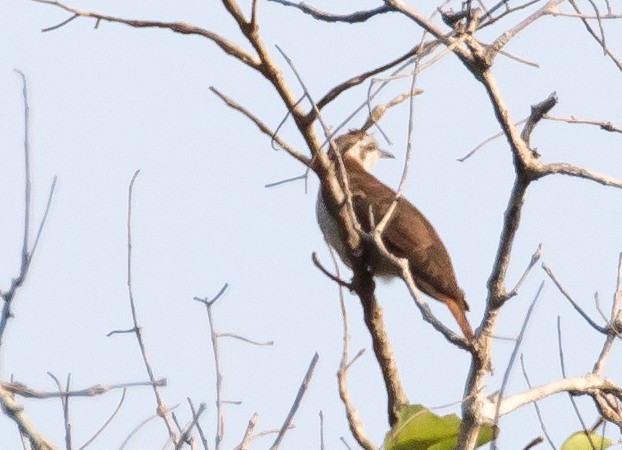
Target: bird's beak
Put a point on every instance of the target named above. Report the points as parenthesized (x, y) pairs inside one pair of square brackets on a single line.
[(386, 154)]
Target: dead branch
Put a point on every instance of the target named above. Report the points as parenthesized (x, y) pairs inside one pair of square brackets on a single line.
[(142, 423), (262, 127), (487, 140), (538, 112), (27, 252), (604, 125), (534, 259), (99, 389), (574, 304), (536, 406), (185, 432), (507, 36), (198, 425), (571, 396), (65, 405), (248, 433), (506, 375), (600, 39), (356, 17), (16, 413), (177, 27), (214, 335), (162, 410), (354, 421), (106, 423), (301, 392)]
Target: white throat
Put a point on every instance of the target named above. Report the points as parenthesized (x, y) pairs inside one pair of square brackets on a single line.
[(365, 152)]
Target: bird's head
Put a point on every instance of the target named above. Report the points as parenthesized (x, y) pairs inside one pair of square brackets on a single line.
[(360, 147)]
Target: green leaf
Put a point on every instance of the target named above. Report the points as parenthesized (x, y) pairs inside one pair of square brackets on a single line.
[(580, 441), (419, 429)]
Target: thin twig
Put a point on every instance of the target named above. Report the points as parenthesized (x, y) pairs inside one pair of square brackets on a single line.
[(220, 418), (536, 406), (103, 427), (562, 364), (242, 338), (262, 127), (604, 125), (355, 17), (506, 375), (574, 304), (301, 391), (162, 410), (199, 427), (335, 278), (177, 27), (487, 140), (184, 436), (26, 252), (140, 425), (99, 389), (534, 259)]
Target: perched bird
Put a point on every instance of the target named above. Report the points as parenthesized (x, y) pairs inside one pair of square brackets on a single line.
[(408, 233)]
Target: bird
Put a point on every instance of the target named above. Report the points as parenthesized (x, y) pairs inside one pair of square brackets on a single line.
[(408, 234)]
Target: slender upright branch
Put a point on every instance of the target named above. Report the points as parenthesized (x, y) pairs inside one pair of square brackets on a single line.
[(27, 252), (214, 335), (301, 392), (162, 409)]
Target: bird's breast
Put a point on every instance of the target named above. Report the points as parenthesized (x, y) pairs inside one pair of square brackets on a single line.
[(335, 236)]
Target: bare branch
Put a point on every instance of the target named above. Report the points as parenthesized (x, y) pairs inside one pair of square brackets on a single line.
[(536, 406), (262, 127), (502, 40), (162, 410), (534, 259), (536, 441), (16, 413), (579, 172), (506, 375), (184, 436), (177, 27), (562, 364), (488, 140), (354, 421), (220, 417), (103, 427), (27, 253), (99, 389), (538, 112), (600, 39), (574, 304), (605, 125), (488, 20), (584, 385), (301, 391), (139, 426), (198, 424), (335, 278), (248, 433), (331, 95), (242, 338), (65, 405), (378, 111), (356, 17)]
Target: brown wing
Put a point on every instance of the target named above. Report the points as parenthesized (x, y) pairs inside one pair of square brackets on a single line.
[(408, 234)]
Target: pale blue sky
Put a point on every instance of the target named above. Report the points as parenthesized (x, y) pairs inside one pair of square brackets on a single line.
[(110, 101)]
